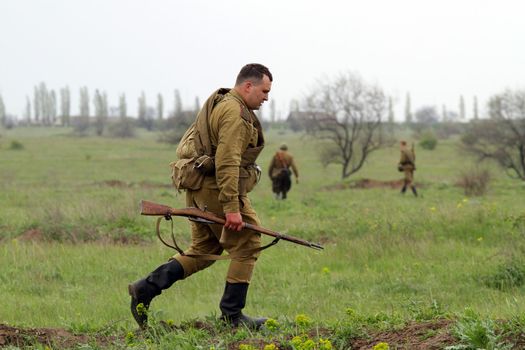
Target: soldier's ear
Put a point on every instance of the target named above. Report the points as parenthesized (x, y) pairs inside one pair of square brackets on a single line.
[(248, 85)]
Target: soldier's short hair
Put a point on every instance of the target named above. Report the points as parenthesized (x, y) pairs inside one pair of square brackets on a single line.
[(253, 71), (403, 143)]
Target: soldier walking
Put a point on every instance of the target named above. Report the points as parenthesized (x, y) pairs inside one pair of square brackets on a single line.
[(407, 164), (280, 172), (227, 126)]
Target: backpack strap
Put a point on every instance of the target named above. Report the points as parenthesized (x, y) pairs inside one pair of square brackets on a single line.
[(281, 159)]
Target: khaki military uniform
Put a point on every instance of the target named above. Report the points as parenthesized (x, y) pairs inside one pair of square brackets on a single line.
[(236, 138), (407, 164), (282, 160), (280, 173)]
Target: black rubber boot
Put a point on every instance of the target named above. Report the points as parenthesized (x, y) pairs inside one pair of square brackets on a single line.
[(403, 190), (232, 303), (143, 291), (414, 191)]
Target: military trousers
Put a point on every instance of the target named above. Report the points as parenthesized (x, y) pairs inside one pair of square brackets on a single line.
[(214, 239), (409, 176)]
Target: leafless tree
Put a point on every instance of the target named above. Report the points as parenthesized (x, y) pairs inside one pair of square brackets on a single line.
[(502, 137), (347, 113)]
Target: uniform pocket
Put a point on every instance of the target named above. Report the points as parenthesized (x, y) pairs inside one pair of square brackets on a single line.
[(185, 176), (248, 178)]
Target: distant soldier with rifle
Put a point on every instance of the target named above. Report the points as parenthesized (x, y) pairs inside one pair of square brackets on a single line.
[(407, 164), (217, 171), (280, 172)]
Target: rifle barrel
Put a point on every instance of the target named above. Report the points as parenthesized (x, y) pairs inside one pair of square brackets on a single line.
[(150, 208)]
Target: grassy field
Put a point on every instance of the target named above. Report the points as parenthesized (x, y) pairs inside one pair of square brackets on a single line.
[(384, 252)]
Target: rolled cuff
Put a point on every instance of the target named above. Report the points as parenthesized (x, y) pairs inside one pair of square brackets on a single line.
[(231, 207)]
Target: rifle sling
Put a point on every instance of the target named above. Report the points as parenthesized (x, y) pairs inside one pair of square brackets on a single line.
[(240, 254)]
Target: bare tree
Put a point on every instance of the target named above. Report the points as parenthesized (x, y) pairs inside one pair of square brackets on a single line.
[(272, 110), (36, 104), (122, 106), (81, 124), (347, 113), (65, 106), (427, 115), (501, 138), (84, 102), (475, 113), (391, 116), (2, 112), (177, 107), (52, 107), (28, 110), (408, 110), (160, 107), (462, 113), (142, 109), (197, 105), (444, 113), (100, 101)]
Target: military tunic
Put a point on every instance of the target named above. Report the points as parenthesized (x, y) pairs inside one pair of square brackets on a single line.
[(407, 163), (282, 160), (236, 136)]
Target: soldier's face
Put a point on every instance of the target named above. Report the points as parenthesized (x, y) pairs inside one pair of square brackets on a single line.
[(257, 92)]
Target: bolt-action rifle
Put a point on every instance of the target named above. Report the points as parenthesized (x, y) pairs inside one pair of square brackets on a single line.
[(206, 217)]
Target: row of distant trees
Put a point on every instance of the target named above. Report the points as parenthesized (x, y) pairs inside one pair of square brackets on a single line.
[(350, 117), (42, 108), (46, 108)]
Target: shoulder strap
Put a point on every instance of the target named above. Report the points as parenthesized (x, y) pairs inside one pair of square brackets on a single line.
[(281, 159), (202, 129)]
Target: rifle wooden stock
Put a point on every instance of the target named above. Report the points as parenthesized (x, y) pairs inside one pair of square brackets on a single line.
[(154, 209)]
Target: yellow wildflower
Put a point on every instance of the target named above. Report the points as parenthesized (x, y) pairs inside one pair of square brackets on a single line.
[(246, 347), (308, 345), (272, 324), (297, 340), (325, 344), (381, 346), (302, 320)]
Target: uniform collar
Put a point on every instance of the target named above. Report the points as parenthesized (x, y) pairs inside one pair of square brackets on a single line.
[(238, 96)]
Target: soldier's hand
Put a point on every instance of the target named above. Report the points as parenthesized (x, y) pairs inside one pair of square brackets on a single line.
[(233, 221)]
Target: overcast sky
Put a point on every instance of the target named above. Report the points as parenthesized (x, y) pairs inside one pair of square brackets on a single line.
[(436, 50)]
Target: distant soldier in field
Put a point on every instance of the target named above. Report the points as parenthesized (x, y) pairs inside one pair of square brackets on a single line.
[(280, 172), (407, 164)]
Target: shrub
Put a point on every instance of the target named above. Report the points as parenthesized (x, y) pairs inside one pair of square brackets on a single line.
[(474, 181), (15, 145), (172, 136), (428, 140), (124, 128), (508, 275), (477, 333)]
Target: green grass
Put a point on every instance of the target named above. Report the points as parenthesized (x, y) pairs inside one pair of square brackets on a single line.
[(384, 252)]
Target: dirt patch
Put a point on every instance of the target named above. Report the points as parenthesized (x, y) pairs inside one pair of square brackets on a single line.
[(368, 184), (55, 338), (414, 336), (429, 335), (33, 234)]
